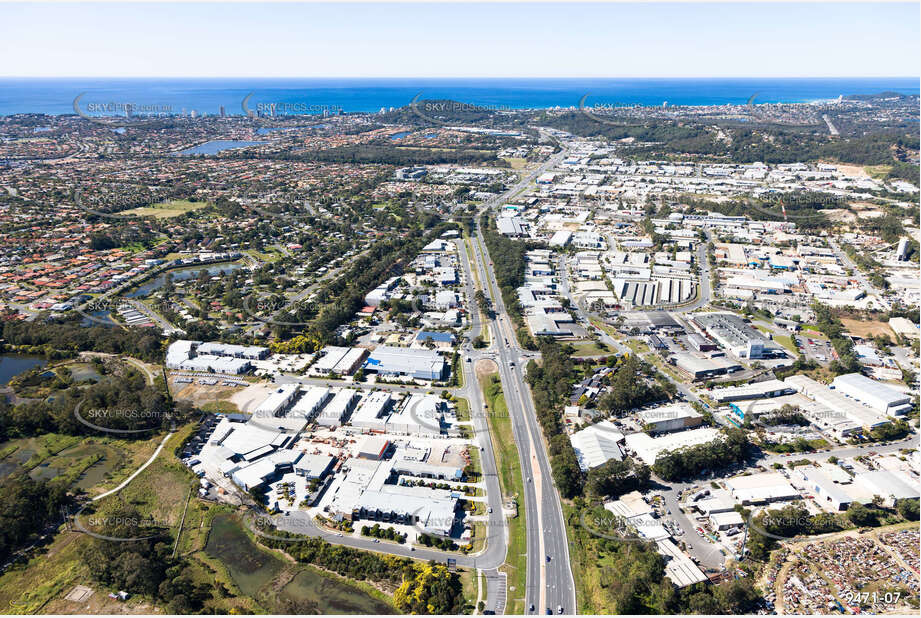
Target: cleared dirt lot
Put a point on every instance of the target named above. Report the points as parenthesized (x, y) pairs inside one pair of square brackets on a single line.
[(484, 367), (201, 395), (861, 328)]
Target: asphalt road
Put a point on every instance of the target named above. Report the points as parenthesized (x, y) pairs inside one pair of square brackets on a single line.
[(549, 575)]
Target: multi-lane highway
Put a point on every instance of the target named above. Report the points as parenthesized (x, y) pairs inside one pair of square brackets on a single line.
[(550, 582)]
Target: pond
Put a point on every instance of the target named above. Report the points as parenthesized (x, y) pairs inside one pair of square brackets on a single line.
[(11, 365), (252, 568), (61, 462), (84, 372), (329, 596), (180, 274)]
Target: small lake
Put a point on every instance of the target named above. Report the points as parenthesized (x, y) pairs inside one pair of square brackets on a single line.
[(400, 135), (270, 130), (12, 365), (253, 568), (250, 567), (180, 274), (329, 596), (218, 145)]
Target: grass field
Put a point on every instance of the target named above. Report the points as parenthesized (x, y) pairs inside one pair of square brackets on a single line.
[(509, 468), (590, 348), (166, 210), (787, 342)]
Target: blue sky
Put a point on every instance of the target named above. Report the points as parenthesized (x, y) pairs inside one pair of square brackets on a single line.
[(460, 40)]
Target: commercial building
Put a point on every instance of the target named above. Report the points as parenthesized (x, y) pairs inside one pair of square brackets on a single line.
[(597, 444), (338, 360), (841, 406), (726, 520), (365, 492), (560, 238), (761, 488), (511, 226), (827, 420), (314, 466), (446, 299), (678, 566), (838, 494), (700, 367), (891, 485), (735, 335), (184, 355), (382, 292), (251, 352), (826, 492), (755, 390), (414, 363), (701, 343), (373, 447), (338, 410), (884, 399), (671, 417), (260, 472), (905, 327), (438, 339), (370, 414), (421, 415), (276, 402), (648, 448), (311, 402)]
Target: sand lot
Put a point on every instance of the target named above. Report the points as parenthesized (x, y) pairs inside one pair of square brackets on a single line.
[(868, 329)]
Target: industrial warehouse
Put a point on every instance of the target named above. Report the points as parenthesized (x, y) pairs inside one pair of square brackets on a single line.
[(345, 454)]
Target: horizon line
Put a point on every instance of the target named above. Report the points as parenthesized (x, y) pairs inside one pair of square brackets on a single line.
[(918, 77)]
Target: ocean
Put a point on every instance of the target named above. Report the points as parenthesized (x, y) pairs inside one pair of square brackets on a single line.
[(107, 96)]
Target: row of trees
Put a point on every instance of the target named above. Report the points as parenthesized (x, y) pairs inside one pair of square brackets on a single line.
[(338, 301), (388, 533), (550, 383), (62, 339), (630, 387)]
